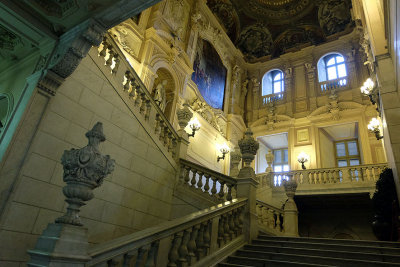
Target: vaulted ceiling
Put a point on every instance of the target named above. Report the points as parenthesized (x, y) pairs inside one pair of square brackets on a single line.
[(269, 28)]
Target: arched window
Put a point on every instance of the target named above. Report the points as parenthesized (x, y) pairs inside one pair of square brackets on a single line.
[(273, 82), (331, 67)]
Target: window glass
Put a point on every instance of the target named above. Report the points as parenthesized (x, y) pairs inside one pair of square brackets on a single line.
[(331, 61), (278, 76), (285, 155), (342, 163), (342, 70), (277, 156), (278, 168), (285, 168), (339, 59), (340, 149), (354, 162), (352, 147), (272, 82), (332, 73), (277, 87)]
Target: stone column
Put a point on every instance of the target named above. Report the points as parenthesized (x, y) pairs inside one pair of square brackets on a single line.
[(288, 91), (290, 223), (65, 242), (184, 115), (247, 184)]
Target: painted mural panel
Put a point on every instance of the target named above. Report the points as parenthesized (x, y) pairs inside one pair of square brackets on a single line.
[(209, 74)]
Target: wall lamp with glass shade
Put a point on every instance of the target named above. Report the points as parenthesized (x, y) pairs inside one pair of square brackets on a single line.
[(194, 124), (302, 158), (224, 149), (369, 89), (374, 126)]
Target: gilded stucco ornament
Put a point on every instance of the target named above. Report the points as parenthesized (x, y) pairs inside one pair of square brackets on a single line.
[(255, 41), (334, 15), (248, 147), (84, 170)]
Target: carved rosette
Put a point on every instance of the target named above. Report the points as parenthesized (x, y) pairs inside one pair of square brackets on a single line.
[(184, 115), (290, 188), (84, 170), (248, 147)]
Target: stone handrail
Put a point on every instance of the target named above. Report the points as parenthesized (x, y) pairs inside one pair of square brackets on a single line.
[(265, 99), (192, 240), (139, 97), (359, 173), (198, 177), (270, 218), (326, 86)]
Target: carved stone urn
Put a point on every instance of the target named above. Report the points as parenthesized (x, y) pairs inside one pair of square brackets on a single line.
[(184, 115), (84, 170), (236, 157), (248, 147), (290, 188)]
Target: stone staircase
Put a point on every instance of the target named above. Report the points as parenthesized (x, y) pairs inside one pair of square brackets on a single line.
[(299, 251)]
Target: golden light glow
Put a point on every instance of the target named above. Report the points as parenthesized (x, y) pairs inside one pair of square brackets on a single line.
[(194, 124), (367, 87), (373, 125)]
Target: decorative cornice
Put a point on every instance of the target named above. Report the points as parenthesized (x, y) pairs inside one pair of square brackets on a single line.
[(49, 84)]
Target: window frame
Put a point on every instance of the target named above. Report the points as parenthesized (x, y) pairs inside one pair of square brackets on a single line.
[(271, 83), (335, 65), (347, 157)]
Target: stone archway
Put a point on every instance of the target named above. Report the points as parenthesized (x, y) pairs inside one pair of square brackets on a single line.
[(162, 75)]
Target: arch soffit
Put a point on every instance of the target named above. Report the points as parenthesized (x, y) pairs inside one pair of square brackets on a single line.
[(162, 63)]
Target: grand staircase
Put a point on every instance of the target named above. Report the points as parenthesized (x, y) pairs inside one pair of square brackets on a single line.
[(299, 251)]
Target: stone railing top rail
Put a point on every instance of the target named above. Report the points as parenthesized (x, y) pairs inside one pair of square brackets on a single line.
[(108, 250), (262, 203), (380, 165), (205, 170), (334, 81), (136, 77)]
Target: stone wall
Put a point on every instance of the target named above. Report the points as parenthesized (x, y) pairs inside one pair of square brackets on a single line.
[(138, 194)]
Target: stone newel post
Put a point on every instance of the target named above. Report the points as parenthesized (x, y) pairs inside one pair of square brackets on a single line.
[(65, 242), (290, 210), (247, 185), (184, 115)]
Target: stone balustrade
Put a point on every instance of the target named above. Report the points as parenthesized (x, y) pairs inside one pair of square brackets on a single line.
[(265, 99), (353, 174), (186, 241), (340, 83), (270, 218), (136, 95), (218, 185)]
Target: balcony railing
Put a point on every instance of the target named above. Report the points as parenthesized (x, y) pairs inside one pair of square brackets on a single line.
[(352, 174), (326, 86), (270, 218), (272, 98)]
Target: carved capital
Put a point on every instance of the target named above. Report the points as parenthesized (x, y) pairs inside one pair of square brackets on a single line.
[(49, 84)]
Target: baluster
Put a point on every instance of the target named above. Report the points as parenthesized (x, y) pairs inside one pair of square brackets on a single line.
[(200, 243), (192, 245), (103, 51), (166, 139), (226, 229), (110, 57), (148, 110), (187, 176), (271, 219), (161, 135), (229, 195), (278, 221), (174, 144), (138, 90), (221, 190), (368, 173), (127, 77), (199, 184), (116, 64), (214, 187), (183, 250), (116, 261), (129, 257), (173, 255), (240, 218), (143, 99), (182, 174), (193, 180), (207, 184), (221, 231), (152, 255), (132, 90), (157, 127), (264, 214), (237, 228), (170, 146), (231, 226), (142, 256), (259, 213), (207, 237)]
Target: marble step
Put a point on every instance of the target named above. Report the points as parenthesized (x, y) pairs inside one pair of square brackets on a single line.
[(234, 261), (327, 246), (323, 252), (332, 241), (307, 259)]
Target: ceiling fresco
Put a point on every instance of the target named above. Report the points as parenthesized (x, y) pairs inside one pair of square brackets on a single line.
[(269, 28)]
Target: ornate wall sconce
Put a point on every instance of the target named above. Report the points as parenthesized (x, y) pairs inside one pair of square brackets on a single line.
[(302, 158), (224, 148), (374, 126), (194, 124), (369, 89)]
